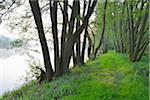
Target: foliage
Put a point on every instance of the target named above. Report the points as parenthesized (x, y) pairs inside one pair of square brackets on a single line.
[(110, 77), (17, 43), (126, 27)]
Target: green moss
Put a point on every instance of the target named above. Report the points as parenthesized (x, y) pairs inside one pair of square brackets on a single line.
[(110, 77)]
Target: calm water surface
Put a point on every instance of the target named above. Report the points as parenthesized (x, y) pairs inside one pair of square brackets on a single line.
[(13, 68)]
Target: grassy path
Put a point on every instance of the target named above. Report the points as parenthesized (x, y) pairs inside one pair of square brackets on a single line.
[(109, 77)]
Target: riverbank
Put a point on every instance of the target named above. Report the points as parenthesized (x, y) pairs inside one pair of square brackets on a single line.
[(110, 77)]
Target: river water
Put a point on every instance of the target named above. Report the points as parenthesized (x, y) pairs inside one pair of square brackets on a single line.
[(12, 69)]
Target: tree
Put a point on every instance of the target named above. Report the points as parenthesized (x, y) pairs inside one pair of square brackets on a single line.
[(53, 15), (72, 36), (130, 27), (119, 26), (138, 28), (103, 30), (38, 20), (69, 37)]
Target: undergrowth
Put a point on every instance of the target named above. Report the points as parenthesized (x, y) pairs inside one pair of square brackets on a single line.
[(110, 77)]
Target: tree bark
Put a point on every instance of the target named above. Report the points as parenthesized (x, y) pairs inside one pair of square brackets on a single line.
[(103, 30), (72, 38), (78, 43), (53, 16), (137, 31), (64, 31), (38, 20)]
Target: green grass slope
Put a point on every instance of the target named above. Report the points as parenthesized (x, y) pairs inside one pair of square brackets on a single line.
[(110, 77)]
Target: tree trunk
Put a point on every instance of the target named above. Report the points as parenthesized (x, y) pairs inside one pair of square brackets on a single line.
[(85, 35), (78, 43), (103, 30), (137, 33), (84, 44), (64, 31), (53, 15), (38, 20), (72, 37)]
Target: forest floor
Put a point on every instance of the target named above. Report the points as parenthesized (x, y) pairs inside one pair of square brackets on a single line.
[(110, 77)]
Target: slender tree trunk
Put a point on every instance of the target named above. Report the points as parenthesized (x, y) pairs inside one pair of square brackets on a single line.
[(38, 20), (137, 32), (78, 43), (85, 36), (64, 31), (84, 44), (103, 30), (72, 38), (89, 45), (130, 34), (142, 51), (53, 14), (105, 46), (140, 37)]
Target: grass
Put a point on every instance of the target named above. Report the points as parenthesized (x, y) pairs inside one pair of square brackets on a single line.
[(110, 77)]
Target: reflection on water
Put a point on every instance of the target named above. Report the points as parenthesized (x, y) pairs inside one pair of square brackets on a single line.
[(12, 69)]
